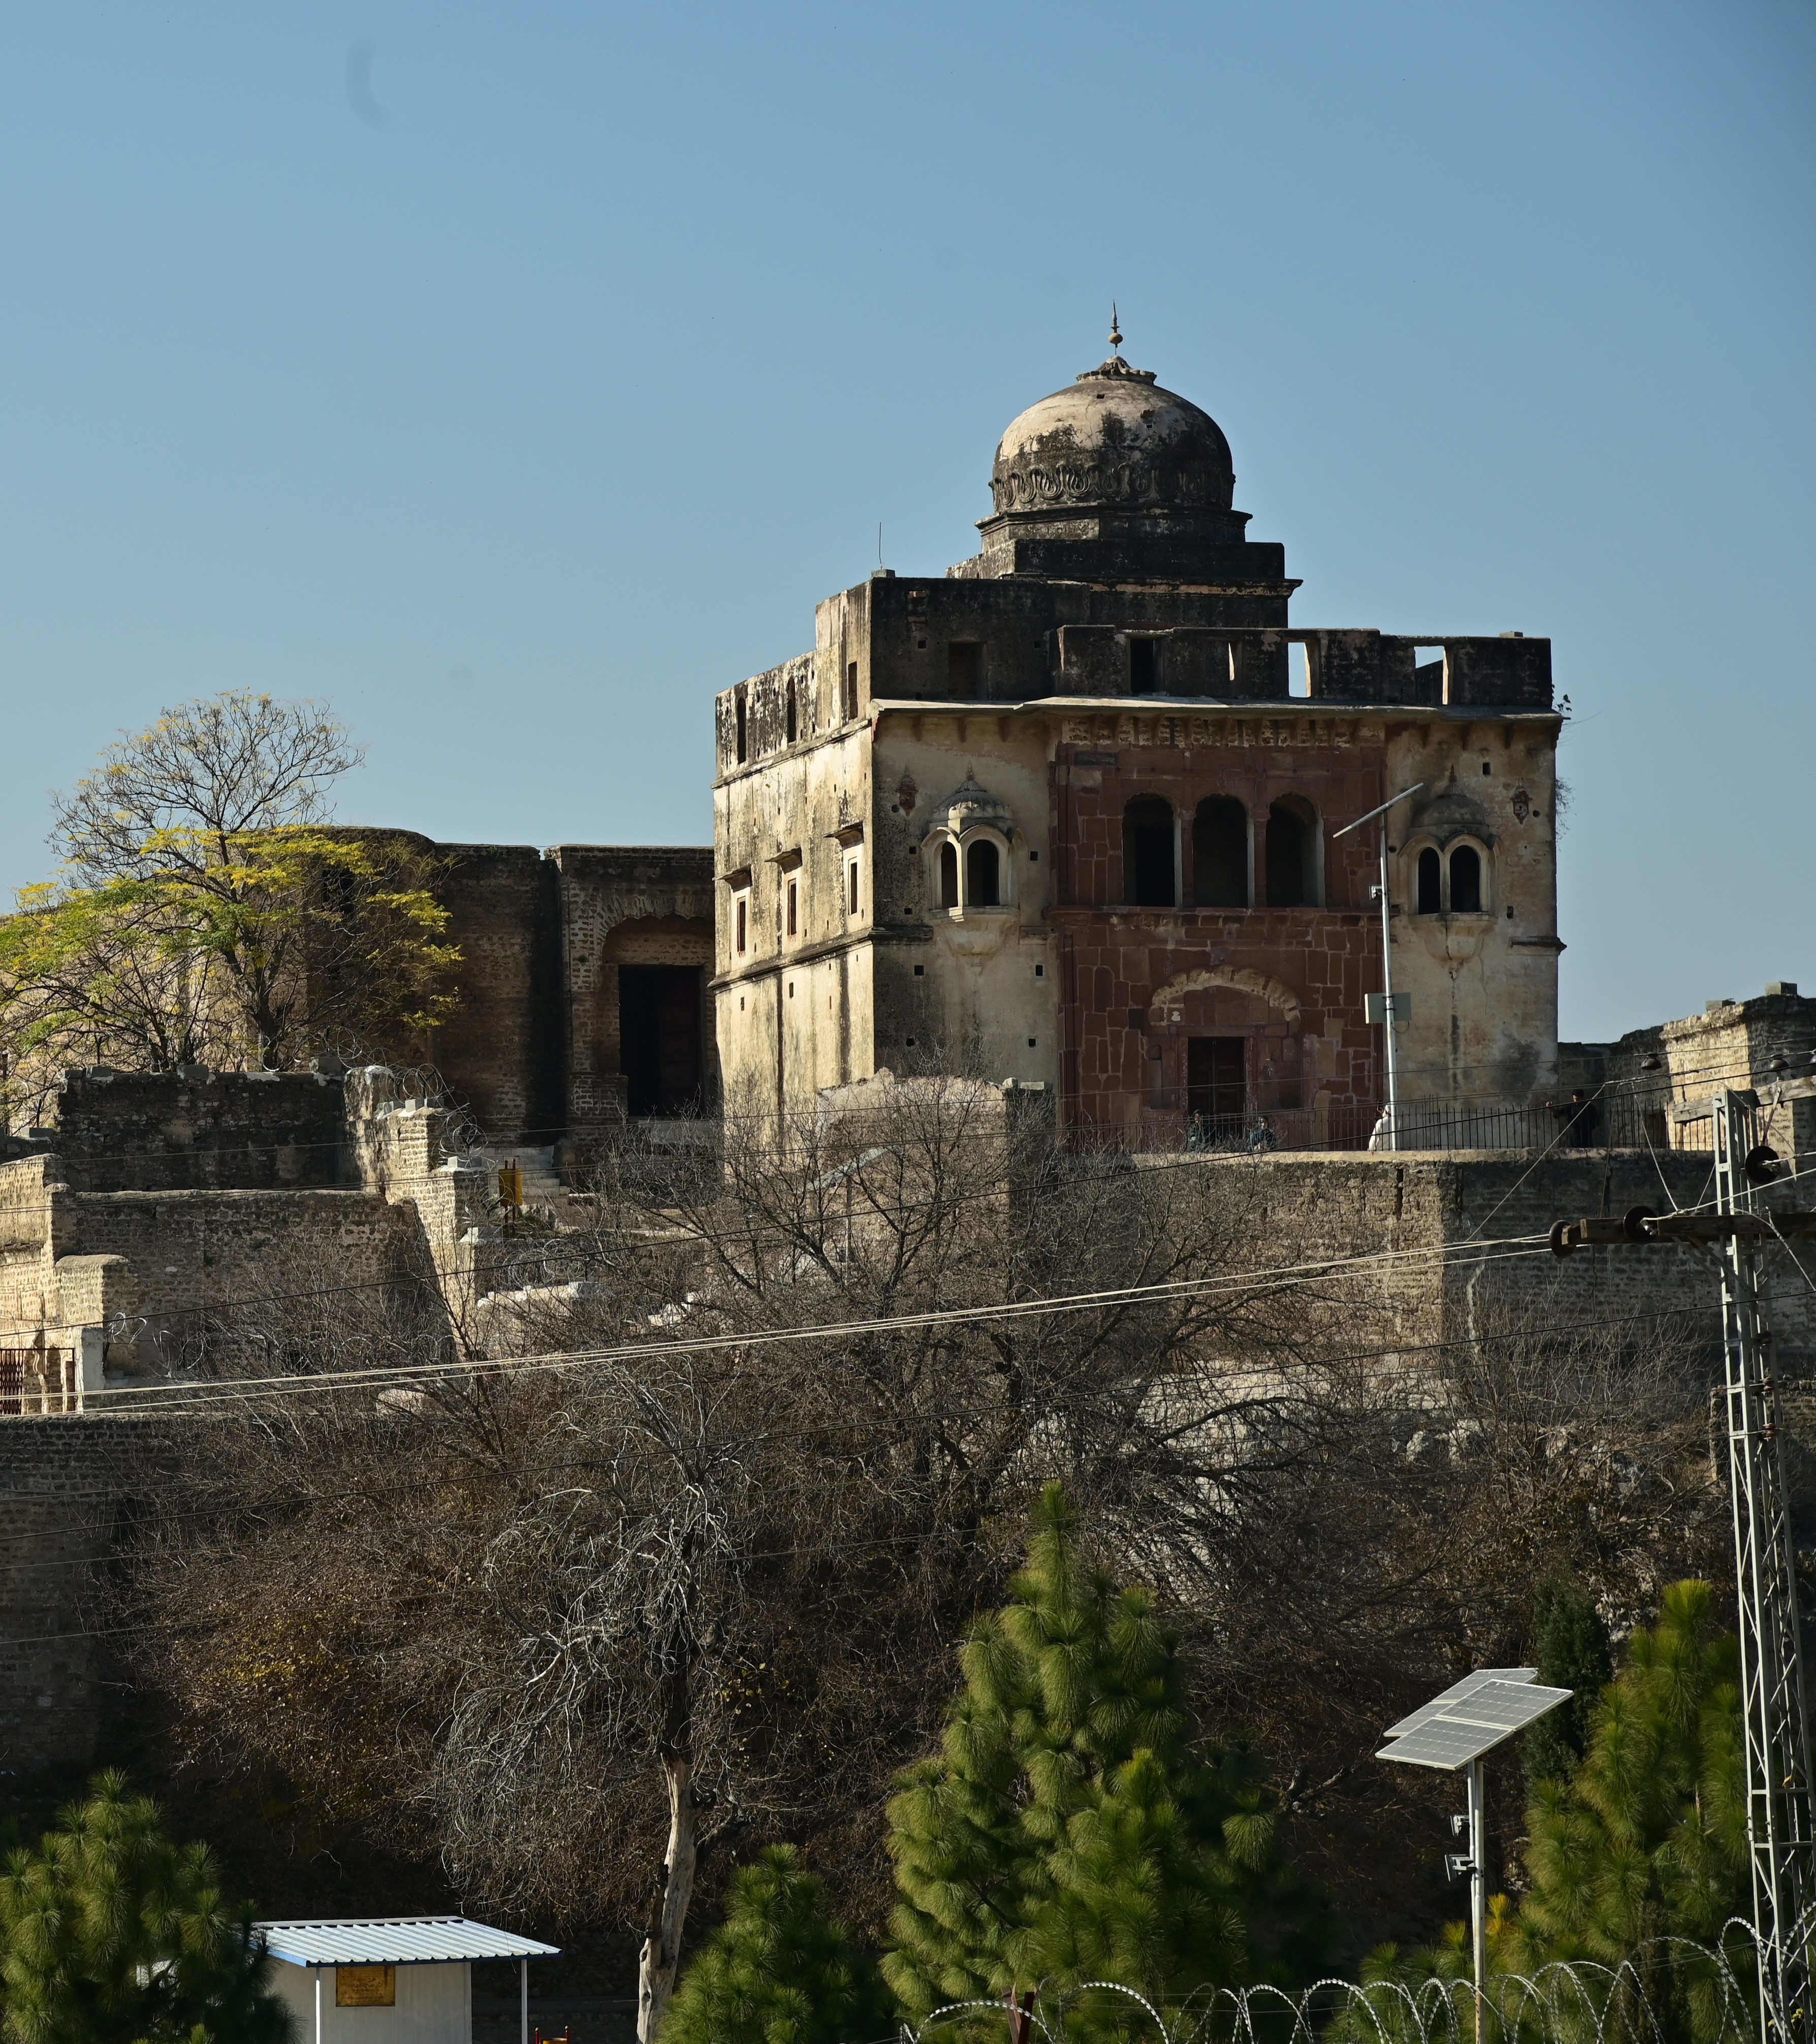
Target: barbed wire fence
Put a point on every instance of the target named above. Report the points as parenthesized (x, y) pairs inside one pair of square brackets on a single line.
[(1645, 2001)]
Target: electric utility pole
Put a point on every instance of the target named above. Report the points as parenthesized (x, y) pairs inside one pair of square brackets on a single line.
[(1779, 1815)]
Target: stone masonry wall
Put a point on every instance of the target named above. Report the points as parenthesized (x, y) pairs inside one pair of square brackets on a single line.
[(1460, 1244), (501, 1052), (61, 1487), (626, 905), (175, 1131)]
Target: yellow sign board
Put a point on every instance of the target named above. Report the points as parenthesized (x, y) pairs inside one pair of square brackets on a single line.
[(365, 1987)]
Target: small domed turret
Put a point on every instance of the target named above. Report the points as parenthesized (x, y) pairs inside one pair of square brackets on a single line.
[(1114, 439), (1114, 480)]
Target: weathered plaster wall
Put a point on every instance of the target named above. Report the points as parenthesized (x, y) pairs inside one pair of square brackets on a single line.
[(790, 1019), (970, 989), (1483, 987)]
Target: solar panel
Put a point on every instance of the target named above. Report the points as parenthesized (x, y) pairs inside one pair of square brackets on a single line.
[(1455, 1730), (1456, 1691)]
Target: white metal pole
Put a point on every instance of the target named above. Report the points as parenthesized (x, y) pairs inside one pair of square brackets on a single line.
[(318, 2005), (1478, 1889), (524, 1995), (1387, 952), (1387, 996)]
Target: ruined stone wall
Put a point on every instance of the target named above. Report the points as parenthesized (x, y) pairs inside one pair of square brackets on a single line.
[(154, 1269), (502, 1051), (190, 1128), (37, 1226), (62, 1483), (185, 1262), (1732, 1044)]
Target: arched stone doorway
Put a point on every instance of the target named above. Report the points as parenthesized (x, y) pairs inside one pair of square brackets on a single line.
[(653, 1024), (1224, 1043)]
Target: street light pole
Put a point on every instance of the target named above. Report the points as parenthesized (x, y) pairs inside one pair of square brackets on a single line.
[(1389, 1014), (1478, 1889), (1386, 1004)]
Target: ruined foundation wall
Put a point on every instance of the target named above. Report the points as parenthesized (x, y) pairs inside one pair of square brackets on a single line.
[(119, 1132), (60, 1491)]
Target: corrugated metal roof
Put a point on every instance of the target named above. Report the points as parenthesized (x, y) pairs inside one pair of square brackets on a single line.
[(393, 1941)]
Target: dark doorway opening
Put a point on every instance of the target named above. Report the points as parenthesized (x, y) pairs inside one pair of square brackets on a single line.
[(965, 669), (1291, 858), (982, 867), (659, 1038), (1217, 1078), (1149, 878), (949, 875), (1220, 854), (1144, 667)]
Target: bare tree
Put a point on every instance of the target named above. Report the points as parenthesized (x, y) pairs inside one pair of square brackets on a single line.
[(684, 1570), (205, 913), (204, 775)]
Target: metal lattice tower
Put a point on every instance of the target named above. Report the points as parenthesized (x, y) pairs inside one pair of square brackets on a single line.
[(1779, 1780)]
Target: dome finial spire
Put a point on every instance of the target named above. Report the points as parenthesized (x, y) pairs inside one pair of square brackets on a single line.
[(1116, 327)]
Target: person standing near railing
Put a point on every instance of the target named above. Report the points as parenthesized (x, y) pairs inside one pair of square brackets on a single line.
[(1581, 1120)]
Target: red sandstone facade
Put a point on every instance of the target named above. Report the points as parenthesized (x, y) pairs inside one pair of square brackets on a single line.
[(1067, 816), (1287, 983)]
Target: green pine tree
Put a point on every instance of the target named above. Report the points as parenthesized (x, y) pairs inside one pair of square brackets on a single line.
[(1640, 1856), (1648, 1839), (1069, 1830), (111, 1934), (1570, 1644), (777, 1970)]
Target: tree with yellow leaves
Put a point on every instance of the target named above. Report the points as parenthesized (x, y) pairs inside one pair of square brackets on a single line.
[(205, 911)]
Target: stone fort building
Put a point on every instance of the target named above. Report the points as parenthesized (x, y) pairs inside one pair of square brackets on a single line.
[(1066, 817), (1069, 814)]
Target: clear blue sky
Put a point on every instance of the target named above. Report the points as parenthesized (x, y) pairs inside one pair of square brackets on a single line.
[(515, 377)]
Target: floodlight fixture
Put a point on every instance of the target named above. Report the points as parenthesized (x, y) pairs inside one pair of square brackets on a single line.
[(1454, 1733)]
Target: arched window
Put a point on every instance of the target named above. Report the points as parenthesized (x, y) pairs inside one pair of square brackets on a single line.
[(1149, 880), (1430, 883), (1220, 854), (1292, 854), (949, 875), (982, 874), (790, 720), (1466, 880), (743, 721)]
